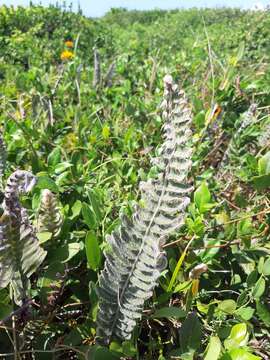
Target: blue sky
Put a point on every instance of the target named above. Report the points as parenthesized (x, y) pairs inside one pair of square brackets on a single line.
[(99, 7)]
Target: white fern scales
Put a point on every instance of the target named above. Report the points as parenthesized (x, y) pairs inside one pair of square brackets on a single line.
[(49, 215), (20, 252), (135, 261)]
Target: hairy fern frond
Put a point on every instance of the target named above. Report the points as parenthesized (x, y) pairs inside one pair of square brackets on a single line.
[(49, 216), (109, 75), (20, 253), (3, 158), (97, 69), (135, 259), (235, 146)]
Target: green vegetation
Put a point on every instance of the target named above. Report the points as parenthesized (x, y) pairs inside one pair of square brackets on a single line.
[(80, 109)]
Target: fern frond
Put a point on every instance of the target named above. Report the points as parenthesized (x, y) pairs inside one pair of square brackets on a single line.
[(49, 216), (3, 158), (135, 260), (20, 253), (109, 75), (235, 146), (97, 69)]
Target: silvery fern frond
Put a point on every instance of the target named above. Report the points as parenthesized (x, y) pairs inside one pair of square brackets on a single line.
[(135, 259), (20, 253), (109, 75), (97, 69), (235, 147), (3, 158), (49, 216)]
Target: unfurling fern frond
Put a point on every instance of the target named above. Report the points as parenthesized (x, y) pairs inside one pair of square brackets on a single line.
[(20, 253), (49, 217), (135, 259)]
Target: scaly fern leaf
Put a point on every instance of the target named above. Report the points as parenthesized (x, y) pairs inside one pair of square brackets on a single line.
[(135, 261), (3, 157), (20, 253), (49, 216)]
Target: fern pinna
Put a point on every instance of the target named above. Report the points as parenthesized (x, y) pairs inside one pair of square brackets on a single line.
[(20, 253), (135, 259)]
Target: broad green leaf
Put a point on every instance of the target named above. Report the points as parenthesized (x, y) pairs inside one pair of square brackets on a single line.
[(66, 252), (261, 182), (92, 249), (246, 313), (54, 157), (190, 334), (227, 306), (101, 353), (242, 354), (59, 168), (259, 288), (202, 198), (238, 336), (266, 267), (76, 209), (263, 312), (169, 312), (5, 310), (252, 278), (94, 200), (88, 216), (44, 182), (264, 164), (44, 236), (213, 349)]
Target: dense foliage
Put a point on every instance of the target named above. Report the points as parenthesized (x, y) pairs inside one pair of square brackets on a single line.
[(88, 132)]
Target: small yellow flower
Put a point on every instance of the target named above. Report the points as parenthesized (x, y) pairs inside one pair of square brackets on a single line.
[(69, 44), (67, 55)]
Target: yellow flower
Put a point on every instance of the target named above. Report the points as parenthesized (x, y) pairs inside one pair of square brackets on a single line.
[(67, 55), (69, 43)]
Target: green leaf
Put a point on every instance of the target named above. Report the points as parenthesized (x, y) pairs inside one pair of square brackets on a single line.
[(129, 349), (190, 334), (238, 336), (266, 267), (5, 310), (62, 167), (54, 157), (76, 209), (88, 216), (242, 354), (259, 288), (101, 353), (66, 252), (252, 278), (246, 313), (263, 312), (169, 312), (213, 349), (202, 198), (264, 164), (44, 182), (44, 236), (227, 306), (261, 182), (95, 203), (92, 249)]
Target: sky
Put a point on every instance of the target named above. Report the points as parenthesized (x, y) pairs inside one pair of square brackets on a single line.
[(95, 8)]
